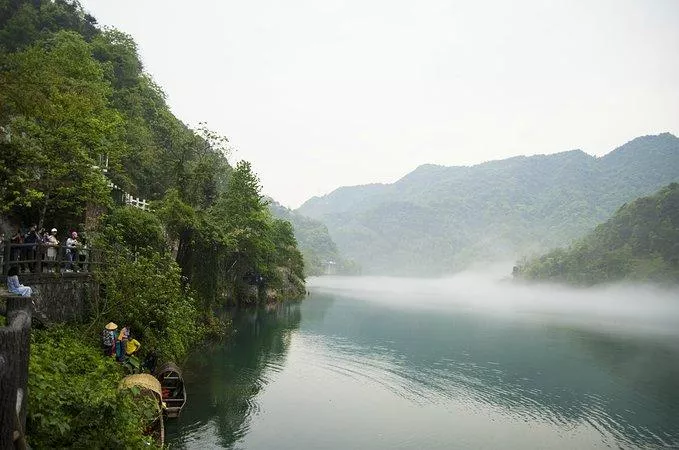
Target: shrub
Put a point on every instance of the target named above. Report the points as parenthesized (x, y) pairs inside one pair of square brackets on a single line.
[(73, 396)]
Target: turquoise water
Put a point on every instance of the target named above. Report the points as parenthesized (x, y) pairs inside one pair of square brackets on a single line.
[(383, 364)]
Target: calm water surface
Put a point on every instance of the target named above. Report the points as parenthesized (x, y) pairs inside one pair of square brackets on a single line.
[(383, 363)]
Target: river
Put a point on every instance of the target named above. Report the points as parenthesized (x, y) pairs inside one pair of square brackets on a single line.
[(465, 362)]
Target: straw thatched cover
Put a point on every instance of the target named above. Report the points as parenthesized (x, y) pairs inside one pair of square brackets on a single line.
[(142, 380)]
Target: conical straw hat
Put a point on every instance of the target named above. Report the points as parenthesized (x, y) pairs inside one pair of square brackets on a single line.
[(111, 326)]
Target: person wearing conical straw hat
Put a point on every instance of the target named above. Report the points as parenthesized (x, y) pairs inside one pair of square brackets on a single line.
[(108, 339)]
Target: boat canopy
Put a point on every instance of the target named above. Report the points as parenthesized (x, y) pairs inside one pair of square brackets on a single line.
[(142, 380)]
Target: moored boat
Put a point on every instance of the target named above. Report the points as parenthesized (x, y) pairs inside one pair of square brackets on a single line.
[(172, 388), (149, 386)]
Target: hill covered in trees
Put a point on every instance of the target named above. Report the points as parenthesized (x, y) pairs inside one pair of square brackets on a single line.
[(79, 114), (640, 242), (318, 249), (439, 219)]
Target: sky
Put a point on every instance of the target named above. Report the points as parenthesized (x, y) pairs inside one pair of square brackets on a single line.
[(323, 94)]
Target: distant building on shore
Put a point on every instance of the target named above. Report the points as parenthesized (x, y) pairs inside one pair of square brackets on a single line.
[(330, 268)]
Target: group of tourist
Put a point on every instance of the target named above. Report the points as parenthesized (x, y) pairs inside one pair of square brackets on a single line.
[(32, 245), (118, 343)]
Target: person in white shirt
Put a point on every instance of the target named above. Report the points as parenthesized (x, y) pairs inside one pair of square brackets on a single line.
[(71, 244), (52, 248)]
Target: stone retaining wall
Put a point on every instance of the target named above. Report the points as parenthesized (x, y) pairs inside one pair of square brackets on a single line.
[(61, 297)]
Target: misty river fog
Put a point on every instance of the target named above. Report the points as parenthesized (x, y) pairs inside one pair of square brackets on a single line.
[(470, 361)]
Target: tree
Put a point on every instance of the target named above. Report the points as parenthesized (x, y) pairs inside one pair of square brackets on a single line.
[(56, 123), (138, 230), (243, 221), (639, 242)]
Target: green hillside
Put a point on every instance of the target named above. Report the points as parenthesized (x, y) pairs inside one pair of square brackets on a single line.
[(82, 127), (640, 242), (318, 249), (440, 219), (78, 115)]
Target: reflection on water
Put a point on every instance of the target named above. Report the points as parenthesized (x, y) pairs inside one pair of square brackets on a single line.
[(344, 371), (223, 381)]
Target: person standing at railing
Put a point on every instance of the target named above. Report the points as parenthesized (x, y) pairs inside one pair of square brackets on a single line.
[(42, 248), (52, 248), (29, 251), (17, 240), (71, 252)]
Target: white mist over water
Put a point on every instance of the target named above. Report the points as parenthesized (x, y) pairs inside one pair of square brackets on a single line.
[(639, 309), (468, 361)]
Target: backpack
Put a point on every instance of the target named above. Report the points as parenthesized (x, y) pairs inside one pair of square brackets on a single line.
[(107, 338)]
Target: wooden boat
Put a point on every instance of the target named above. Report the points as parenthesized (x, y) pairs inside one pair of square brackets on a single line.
[(173, 389), (149, 386)]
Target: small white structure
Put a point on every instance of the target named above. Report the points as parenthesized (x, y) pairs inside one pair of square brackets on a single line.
[(330, 268), (130, 200)]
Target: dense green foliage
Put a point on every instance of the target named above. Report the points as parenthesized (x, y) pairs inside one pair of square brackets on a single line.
[(81, 408), (640, 242), (78, 114), (75, 99), (319, 250), (142, 285), (440, 219), (226, 246), (56, 120), (146, 293)]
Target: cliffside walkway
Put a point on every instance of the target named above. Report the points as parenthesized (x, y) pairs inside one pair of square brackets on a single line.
[(35, 258)]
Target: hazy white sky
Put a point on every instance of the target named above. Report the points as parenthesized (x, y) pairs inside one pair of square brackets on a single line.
[(328, 93)]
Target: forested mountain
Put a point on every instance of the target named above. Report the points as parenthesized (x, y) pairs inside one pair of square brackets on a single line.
[(318, 249), (79, 114), (640, 242), (75, 99), (440, 219)]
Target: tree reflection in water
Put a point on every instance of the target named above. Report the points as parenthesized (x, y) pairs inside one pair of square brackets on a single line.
[(224, 379)]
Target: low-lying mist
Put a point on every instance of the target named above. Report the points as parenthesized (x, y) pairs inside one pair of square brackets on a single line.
[(617, 308)]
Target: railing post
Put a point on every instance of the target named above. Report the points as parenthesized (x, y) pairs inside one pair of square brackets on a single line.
[(39, 254), (59, 258)]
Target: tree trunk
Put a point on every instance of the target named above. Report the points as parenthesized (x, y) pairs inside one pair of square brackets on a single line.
[(184, 254), (43, 211)]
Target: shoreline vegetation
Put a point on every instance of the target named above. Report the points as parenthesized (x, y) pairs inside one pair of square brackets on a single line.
[(639, 243), (82, 126)]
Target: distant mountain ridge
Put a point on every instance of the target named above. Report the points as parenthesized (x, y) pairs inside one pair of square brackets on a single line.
[(439, 219)]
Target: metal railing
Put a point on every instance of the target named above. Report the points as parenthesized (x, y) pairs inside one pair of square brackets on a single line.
[(44, 258)]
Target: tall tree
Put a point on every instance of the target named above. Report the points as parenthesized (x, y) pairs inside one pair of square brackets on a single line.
[(56, 122)]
